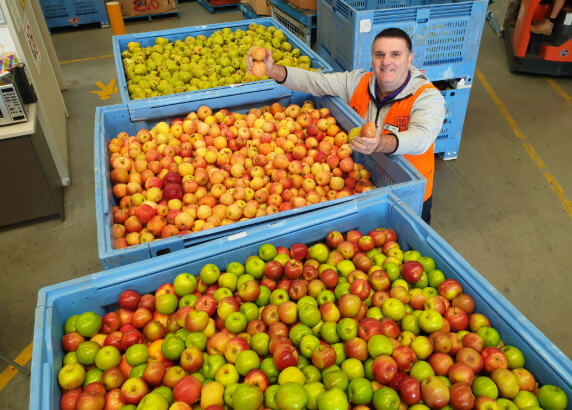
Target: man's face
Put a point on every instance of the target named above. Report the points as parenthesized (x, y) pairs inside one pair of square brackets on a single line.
[(390, 61)]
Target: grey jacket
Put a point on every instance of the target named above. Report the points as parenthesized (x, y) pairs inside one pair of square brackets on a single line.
[(427, 113)]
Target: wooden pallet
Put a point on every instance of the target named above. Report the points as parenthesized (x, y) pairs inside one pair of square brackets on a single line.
[(150, 17)]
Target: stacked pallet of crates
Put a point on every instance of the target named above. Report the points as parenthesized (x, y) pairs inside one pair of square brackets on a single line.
[(445, 35)]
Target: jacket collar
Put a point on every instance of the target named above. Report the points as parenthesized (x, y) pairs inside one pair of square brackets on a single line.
[(415, 80), (379, 100)]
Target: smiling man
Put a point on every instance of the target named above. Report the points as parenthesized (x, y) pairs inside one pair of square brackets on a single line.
[(406, 108)]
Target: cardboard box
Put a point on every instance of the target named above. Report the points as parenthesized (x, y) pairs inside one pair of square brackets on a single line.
[(305, 4), (260, 7), (132, 8)]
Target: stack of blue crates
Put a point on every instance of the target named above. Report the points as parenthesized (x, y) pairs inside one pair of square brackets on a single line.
[(446, 36)]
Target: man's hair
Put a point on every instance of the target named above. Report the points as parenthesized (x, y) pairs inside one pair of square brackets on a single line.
[(393, 32)]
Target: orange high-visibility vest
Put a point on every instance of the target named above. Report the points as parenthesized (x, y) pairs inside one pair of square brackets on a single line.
[(398, 116)]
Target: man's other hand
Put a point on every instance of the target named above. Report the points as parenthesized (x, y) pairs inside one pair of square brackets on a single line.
[(384, 143)]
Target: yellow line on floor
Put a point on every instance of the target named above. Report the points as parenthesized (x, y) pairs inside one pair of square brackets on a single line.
[(22, 359), (556, 187), (560, 91), (81, 60)]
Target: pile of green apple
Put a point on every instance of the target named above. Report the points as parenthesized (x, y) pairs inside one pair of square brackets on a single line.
[(198, 63), (353, 321)]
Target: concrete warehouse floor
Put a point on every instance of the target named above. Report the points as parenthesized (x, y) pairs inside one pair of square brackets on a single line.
[(499, 204)]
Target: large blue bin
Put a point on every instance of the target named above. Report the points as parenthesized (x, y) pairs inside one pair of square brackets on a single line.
[(445, 34), (66, 13), (390, 174), (146, 108), (99, 292)]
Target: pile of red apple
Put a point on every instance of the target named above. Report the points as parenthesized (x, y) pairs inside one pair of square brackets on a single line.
[(350, 322), (212, 169)]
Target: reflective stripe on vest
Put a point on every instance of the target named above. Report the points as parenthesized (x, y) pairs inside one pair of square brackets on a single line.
[(398, 116)]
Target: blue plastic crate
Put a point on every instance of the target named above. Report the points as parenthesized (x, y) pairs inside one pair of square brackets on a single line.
[(445, 35), (151, 107), (390, 174), (449, 139), (65, 13), (99, 292)]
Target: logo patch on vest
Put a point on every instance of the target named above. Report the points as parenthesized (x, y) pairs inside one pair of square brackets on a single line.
[(401, 122)]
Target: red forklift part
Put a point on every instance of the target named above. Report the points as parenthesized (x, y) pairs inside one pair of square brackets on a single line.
[(530, 10), (538, 54), (562, 52)]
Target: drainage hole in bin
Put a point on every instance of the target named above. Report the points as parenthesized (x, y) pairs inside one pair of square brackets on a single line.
[(163, 252)]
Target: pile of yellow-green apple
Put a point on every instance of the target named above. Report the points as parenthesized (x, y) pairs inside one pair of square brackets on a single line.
[(201, 62)]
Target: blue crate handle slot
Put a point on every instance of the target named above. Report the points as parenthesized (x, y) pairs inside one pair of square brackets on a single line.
[(166, 245)]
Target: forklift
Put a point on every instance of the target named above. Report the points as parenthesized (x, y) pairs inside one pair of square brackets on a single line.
[(534, 53)]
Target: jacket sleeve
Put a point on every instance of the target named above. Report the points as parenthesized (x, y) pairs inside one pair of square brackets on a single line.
[(425, 123), (318, 84)]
